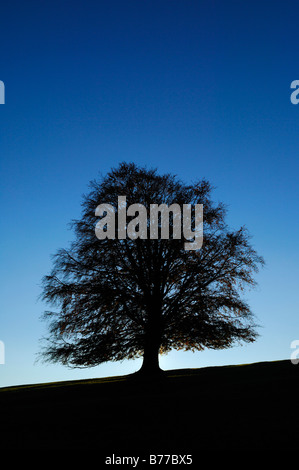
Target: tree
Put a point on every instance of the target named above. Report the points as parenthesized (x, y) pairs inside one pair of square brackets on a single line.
[(126, 298)]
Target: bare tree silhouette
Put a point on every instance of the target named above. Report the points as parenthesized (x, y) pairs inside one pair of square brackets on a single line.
[(124, 298)]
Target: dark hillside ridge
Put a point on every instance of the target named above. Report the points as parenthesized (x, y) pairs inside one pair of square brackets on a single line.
[(252, 406)]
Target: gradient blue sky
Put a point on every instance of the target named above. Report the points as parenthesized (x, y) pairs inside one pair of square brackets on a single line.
[(196, 88)]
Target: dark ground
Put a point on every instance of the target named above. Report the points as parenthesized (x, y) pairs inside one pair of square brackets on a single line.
[(248, 407)]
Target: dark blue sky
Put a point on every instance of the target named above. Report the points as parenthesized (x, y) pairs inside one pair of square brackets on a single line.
[(197, 88)]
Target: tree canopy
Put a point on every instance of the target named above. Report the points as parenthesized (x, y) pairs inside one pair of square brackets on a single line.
[(119, 298)]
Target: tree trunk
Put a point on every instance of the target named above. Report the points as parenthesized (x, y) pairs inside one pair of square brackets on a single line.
[(150, 365), (152, 340)]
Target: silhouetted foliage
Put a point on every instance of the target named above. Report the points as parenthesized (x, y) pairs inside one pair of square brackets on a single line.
[(119, 299)]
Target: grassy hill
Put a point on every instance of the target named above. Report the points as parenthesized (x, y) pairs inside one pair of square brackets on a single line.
[(245, 407)]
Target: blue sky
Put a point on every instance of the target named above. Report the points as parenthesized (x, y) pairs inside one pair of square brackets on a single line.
[(196, 88)]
